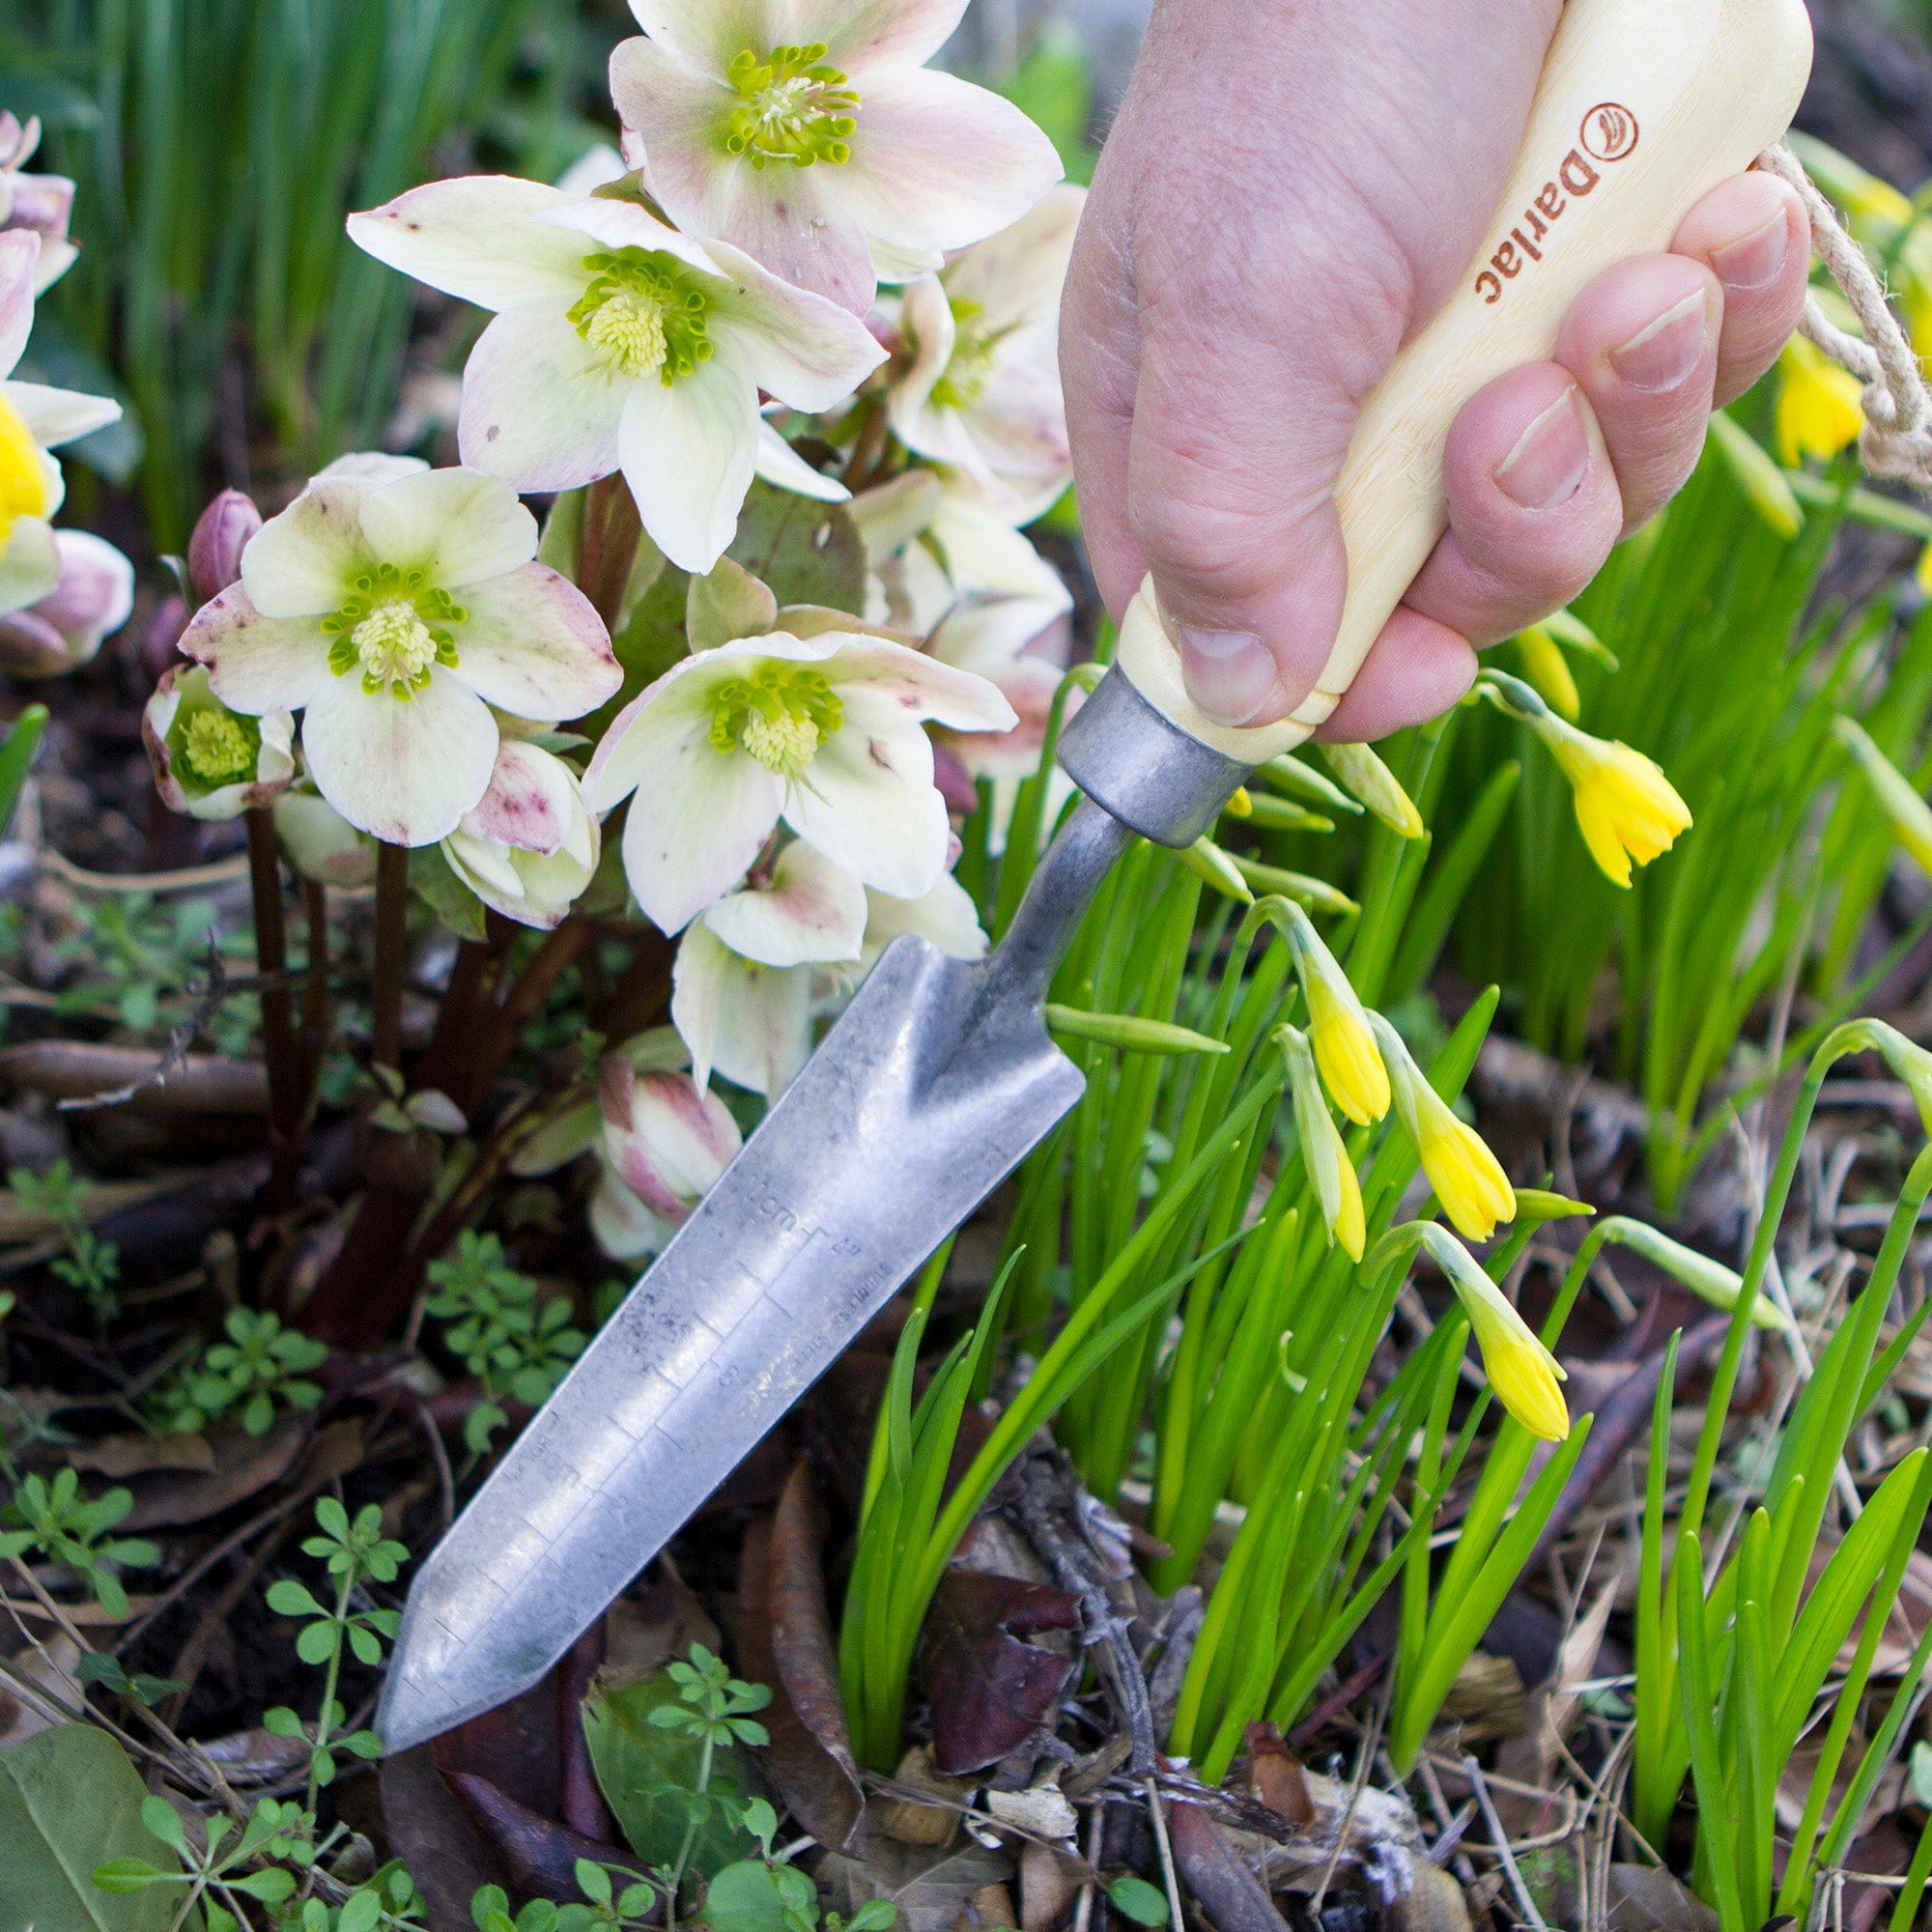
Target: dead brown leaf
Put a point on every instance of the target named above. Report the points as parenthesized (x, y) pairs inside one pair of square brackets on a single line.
[(541, 1854), (119, 1457), (989, 1689), (240, 1466), (431, 1832), (1220, 1882), (1277, 1776), (930, 1888)]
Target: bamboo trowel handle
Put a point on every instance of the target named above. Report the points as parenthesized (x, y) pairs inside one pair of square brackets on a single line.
[(1644, 106)]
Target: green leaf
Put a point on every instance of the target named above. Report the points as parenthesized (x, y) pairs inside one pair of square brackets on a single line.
[(434, 883), (315, 1641), (806, 552), (744, 1899), (71, 1801), (1136, 1899), (636, 1759), (728, 605)]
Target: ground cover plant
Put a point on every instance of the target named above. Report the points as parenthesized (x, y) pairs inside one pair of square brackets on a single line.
[(495, 652)]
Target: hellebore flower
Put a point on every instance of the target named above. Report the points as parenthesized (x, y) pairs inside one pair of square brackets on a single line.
[(1338, 1024), (211, 762), (1524, 1373), (35, 203), (1322, 1149), (33, 420), (810, 134), (530, 848), (93, 599), (1467, 1179), (619, 343), (946, 916), (1820, 406), (742, 998), (664, 1143), (321, 845), (394, 613), (980, 387), (824, 732)]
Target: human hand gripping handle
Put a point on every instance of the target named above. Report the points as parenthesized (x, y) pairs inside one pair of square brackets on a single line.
[(1644, 106)]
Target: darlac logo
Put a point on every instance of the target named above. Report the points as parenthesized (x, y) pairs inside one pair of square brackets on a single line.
[(1609, 134)]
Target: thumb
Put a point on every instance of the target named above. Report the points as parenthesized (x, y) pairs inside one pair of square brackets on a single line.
[(1231, 476)]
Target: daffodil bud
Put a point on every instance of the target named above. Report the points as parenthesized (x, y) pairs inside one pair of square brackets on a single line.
[(1302, 888), (1897, 796), (1291, 775), (1549, 670), (1765, 486), (1910, 1063), (1468, 1179), (1338, 1026), (1707, 1279), (1820, 407), (1217, 867), (210, 762), (1524, 1373), (221, 533), (1371, 782), (1130, 1033), (1322, 1149), (94, 598)]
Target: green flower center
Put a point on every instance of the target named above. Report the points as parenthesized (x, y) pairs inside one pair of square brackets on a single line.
[(218, 748), (393, 628), (791, 108), (963, 380), (780, 716), (646, 312)]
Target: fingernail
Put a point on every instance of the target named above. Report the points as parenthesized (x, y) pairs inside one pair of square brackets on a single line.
[(1230, 674), (1663, 355), (1550, 458), (1756, 260)]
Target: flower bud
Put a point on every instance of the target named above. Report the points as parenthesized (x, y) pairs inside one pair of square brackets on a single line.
[(1524, 1373), (666, 1141), (1468, 1177), (37, 204), (221, 533), (1218, 869), (530, 848), (1766, 486), (94, 597), (1549, 670), (1343, 1040), (159, 647), (322, 845), (1130, 1033), (1322, 1149), (1707, 1279), (1371, 782), (1897, 796), (211, 762)]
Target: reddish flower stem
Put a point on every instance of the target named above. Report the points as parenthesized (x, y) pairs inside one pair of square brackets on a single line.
[(286, 1095), (392, 903)]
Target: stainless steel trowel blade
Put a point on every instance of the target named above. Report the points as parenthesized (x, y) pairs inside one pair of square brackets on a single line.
[(933, 1085)]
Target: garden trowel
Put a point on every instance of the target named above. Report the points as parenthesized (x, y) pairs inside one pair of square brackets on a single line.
[(940, 1077)]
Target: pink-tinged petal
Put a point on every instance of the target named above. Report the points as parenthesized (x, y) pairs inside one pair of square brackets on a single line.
[(926, 324), (672, 119), (19, 252), (802, 348), (812, 913), (946, 916), (458, 527), (861, 34), (1020, 422), (872, 806), (61, 415), (688, 1135), (540, 406), (697, 821), (609, 222), (477, 237), (304, 562), (1016, 276), (31, 647), (529, 802), (368, 468), (782, 466), (405, 771), (986, 635), (626, 1230), (984, 552), (1029, 685), (750, 1023), (534, 645), (880, 673), (689, 449), (706, 34), (94, 598), (257, 664)]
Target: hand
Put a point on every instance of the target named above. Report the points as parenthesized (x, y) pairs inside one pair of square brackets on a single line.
[(1292, 193)]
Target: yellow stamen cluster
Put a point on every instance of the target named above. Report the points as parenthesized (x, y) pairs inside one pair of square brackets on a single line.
[(393, 628), (780, 714), (792, 107), (218, 749), (646, 312)]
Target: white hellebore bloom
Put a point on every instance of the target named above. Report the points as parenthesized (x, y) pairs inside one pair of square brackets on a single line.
[(529, 848), (810, 134), (979, 381), (664, 1143), (619, 343), (393, 610), (33, 420), (209, 762), (825, 732)]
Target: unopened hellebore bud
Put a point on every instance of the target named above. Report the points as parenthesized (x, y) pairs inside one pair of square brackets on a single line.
[(221, 533)]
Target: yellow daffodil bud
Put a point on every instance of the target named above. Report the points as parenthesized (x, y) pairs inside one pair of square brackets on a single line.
[(1376, 786), (1707, 1279), (1820, 408), (1330, 1168), (1897, 796), (1626, 808), (1338, 1024), (1524, 1373), (1548, 670), (26, 487), (1240, 805), (1923, 572), (1468, 1179)]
